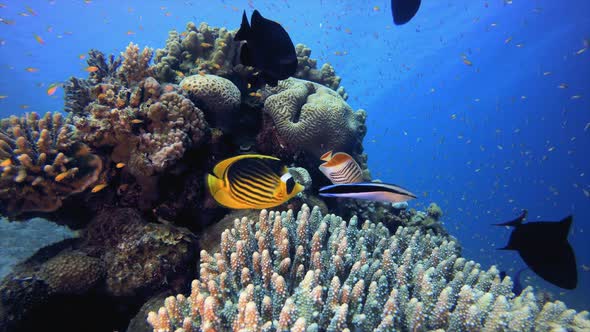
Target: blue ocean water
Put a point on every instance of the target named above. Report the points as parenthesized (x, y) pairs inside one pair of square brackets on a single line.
[(480, 106)]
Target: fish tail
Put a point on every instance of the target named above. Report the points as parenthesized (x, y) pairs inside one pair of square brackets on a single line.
[(516, 221)]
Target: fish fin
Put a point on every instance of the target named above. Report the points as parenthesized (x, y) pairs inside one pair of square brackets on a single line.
[(404, 10), (564, 227), (245, 57), (214, 184), (256, 17), (326, 156), (244, 31), (516, 221), (222, 166)]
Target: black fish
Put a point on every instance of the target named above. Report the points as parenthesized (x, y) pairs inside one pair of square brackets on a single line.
[(268, 48), (544, 248), (404, 10)]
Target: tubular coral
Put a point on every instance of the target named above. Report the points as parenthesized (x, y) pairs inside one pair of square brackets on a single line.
[(311, 117), (42, 163), (317, 273)]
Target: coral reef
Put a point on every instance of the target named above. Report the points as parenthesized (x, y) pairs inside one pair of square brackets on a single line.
[(120, 258), (42, 163), (147, 126), (218, 97), (204, 50), (307, 70), (312, 118), (313, 273)]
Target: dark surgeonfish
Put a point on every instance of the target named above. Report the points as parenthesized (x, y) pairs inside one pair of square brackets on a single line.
[(404, 10), (373, 191), (268, 48), (544, 248)]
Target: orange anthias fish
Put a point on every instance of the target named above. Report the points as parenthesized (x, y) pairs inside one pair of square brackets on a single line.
[(52, 88), (91, 69), (39, 39), (252, 181), (340, 168)]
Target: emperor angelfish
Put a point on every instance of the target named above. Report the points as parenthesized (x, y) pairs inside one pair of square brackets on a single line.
[(373, 191), (268, 48), (404, 10), (545, 249), (252, 181)]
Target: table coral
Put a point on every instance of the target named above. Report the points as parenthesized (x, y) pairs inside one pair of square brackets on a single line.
[(217, 96), (318, 273), (312, 118), (42, 163)]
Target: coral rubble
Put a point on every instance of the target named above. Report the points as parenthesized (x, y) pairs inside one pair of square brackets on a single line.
[(42, 163), (314, 273)]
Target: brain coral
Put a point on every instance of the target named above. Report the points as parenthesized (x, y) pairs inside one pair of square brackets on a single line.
[(310, 117), (216, 95), (42, 163), (314, 273)]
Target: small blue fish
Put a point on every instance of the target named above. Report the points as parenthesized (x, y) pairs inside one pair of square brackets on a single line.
[(373, 191)]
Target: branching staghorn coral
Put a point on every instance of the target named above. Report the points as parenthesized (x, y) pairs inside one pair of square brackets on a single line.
[(313, 118), (42, 163), (314, 273), (136, 65)]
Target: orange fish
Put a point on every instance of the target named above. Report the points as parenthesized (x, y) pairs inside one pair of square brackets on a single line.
[(91, 69), (52, 88), (467, 62), (341, 168), (136, 121), (129, 33), (32, 69), (31, 11), (98, 187), (120, 165), (206, 45), (24, 106), (61, 176), (39, 39), (6, 162)]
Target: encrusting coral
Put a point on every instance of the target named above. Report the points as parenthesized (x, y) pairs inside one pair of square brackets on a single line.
[(307, 70), (310, 117), (42, 162), (314, 273)]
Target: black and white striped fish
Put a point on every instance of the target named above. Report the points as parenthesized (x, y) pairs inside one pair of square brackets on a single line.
[(374, 191)]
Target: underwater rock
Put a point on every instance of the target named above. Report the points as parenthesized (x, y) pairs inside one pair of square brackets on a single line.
[(400, 205), (43, 162), (357, 278), (311, 117), (301, 176), (218, 97)]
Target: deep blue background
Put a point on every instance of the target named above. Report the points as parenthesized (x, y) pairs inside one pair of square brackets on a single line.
[(484, 141)]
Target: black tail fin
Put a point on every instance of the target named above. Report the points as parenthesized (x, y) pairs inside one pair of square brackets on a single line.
[(564, 227), (516, 221), (244, 31)]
